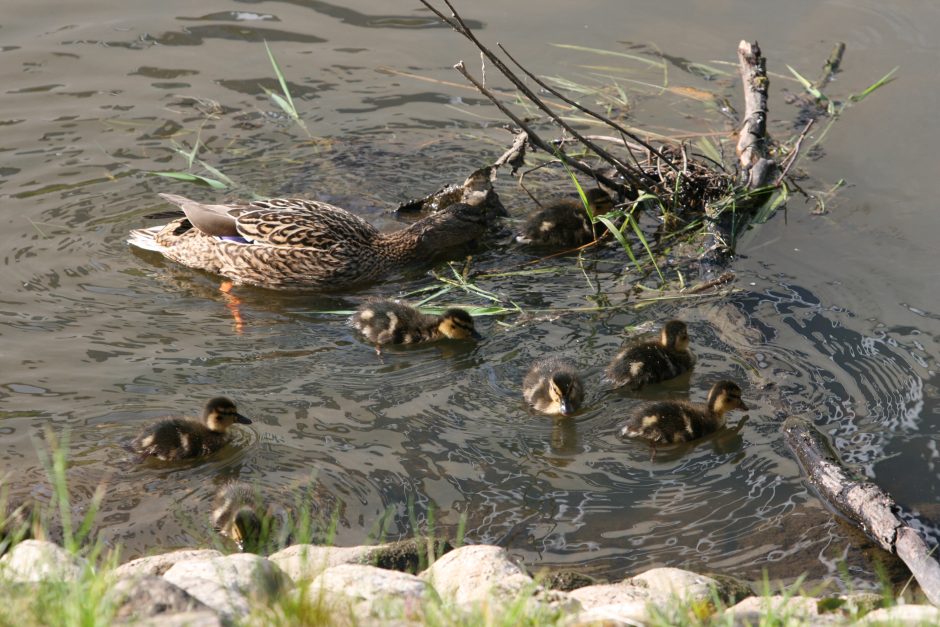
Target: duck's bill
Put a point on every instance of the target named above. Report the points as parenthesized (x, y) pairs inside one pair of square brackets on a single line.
[(242, 419), (476, 335), (565, 407)]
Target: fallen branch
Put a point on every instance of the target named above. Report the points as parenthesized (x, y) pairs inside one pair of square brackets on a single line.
[(863, 503), (756, 168)]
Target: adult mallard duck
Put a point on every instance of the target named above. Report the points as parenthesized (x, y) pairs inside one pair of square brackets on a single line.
[(290, 242), (671, 422), (553, 386), (652, 362), (565, 223), (384, 321), (184, 438)]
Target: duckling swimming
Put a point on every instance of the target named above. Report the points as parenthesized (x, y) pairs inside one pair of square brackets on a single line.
[(652, 362), (184, 438), (291, 242), (240, 514), (670, 422), (553, 386), (565, 224), (384, 321)]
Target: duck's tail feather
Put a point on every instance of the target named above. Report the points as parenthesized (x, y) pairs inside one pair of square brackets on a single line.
[(143, 238)]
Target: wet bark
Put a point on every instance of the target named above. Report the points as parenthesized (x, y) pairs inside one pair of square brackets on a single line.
[(863, 503)]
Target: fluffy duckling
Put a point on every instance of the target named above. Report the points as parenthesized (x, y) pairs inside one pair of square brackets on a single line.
[(565, 224), (384, 321), (553, 386), (184, 438), (652, 362), (240, 514), (670, 422)]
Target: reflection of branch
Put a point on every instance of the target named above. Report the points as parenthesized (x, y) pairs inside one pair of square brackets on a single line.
[(533, 137), (457, 23), (594, 115)]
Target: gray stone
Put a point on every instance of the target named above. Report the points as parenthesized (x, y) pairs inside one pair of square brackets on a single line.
[(903, 615), (159, 564), (568, 580), (144, 596), (796, 610), (373, 591), (229, 584), (601, 595), (38, 560), (306, 561), (631, 614), (476, 573), (203, 618), (691, 587)]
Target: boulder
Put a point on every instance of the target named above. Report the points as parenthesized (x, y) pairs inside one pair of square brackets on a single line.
[(38, 560), (903, 615), (790, 610), (144, 596), (306, 561), (688, 586), (159, 564), (472, 574), (372, 591), (229, 584)]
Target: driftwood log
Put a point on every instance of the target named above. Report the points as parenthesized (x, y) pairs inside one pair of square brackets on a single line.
[(862, 502)]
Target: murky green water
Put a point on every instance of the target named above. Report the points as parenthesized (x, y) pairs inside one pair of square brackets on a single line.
[(839, 312)]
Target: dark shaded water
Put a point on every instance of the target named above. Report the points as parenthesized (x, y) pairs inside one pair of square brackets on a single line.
[(839, 312)]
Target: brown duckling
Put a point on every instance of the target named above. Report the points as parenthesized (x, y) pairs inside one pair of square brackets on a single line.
[(184, 438), (670, 422), (553, 386), (652, 362), (565, 224), (384, 321), (239, 513)]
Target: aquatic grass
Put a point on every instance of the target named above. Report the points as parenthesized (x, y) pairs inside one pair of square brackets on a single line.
[(284, 99)]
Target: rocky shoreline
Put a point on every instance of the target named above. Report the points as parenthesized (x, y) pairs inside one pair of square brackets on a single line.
[(374, 585)]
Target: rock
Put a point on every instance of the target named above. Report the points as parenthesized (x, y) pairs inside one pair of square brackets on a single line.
[(628, 614), (568, 580), (615, 594), (472, 574), (795, 610), (408, 556), (203, 618), (159, 564), (306, 561), (228, 584), (38, 560), (373, 591), (902, 615), (139, 597), (691, 587)]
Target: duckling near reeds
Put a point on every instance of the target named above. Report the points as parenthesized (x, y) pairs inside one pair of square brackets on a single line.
[(553, 386), (653, 362), (239, 513), (565, 223), (185, 438), (671, 422), (384, 321), (290, 242)]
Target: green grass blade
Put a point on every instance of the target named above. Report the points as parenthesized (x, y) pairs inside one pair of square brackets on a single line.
[(777, 200), (191, 178), (289, 104), (808, 86), (618, 235), (613, 53), (708, 148), (216, 172), (881, 82), (642, 238)]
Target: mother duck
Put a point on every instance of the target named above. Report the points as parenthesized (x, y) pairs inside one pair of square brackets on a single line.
[(291, 242)]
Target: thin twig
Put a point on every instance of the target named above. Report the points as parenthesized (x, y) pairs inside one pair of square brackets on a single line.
[(791, 158)]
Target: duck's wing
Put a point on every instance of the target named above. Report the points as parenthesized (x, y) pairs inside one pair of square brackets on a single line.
[(295, 222)]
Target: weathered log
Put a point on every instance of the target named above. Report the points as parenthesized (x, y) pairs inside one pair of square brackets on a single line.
[(752, 140), (862, 502)]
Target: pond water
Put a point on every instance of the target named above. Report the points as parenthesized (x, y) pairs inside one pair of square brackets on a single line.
[(838, 311)]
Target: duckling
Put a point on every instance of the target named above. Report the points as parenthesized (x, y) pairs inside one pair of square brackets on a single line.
[(670, 422), (652, 362), (184, 438), (553, 386), (240, 514), (384, 321), (565, 224), (291, 242)]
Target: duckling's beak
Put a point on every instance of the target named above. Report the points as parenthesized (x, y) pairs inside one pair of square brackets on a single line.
[(242, 419), (565, 406), (476, 335)]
